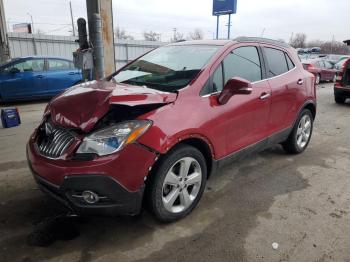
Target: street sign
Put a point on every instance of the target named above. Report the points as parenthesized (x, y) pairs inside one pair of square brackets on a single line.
[(224, 7)]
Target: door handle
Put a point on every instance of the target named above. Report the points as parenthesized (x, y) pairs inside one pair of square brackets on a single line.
[(300, 82), (71, 73), (40, 76), (264, 96)]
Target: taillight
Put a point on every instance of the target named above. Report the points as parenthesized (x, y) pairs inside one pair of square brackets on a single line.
[(339, 81), (310, 67)]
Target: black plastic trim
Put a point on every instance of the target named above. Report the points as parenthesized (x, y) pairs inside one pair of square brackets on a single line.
[(120, 200), (259, 146)]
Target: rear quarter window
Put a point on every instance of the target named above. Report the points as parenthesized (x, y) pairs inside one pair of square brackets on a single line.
[(276, 60)]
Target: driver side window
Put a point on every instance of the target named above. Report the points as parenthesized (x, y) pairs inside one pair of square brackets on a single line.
[(35, 65)]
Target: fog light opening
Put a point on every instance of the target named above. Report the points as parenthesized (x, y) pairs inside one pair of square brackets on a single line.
[(90, 197)]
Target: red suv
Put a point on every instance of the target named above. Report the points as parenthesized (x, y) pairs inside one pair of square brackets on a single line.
[(158, 128), (342, 86)]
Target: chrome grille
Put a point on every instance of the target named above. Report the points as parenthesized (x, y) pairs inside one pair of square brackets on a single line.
[(52, 141)]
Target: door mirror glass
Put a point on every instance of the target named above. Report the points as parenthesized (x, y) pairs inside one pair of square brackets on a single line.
[(234, 86)]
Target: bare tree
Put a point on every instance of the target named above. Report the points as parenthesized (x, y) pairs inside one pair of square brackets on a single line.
[(122, 34), (298, 41), (151, 36), (197, 34), (177, 36)]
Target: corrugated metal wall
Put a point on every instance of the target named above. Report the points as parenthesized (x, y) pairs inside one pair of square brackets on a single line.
[(22, 44)]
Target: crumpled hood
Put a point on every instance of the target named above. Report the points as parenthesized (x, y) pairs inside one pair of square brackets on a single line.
[(83, 105)]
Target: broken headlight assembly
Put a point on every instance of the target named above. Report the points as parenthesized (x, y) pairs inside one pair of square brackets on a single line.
[(113, 138)]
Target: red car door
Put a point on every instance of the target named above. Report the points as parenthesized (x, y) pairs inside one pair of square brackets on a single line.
[(330, 70), (326, 74), (285, 82), (244, 119)]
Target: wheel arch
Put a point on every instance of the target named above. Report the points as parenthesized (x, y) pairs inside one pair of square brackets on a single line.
[(205, 149), (197, 142), (311, 106)]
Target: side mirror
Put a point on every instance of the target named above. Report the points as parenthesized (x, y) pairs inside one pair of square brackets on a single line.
[(14, 70), (234, 86)]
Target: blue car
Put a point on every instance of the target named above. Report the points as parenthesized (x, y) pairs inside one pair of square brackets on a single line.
[(36, 77)]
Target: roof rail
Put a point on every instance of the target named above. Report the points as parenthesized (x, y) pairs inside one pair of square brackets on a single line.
[(261, 40)]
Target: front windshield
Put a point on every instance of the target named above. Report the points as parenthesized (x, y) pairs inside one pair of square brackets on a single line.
[(167, 68)]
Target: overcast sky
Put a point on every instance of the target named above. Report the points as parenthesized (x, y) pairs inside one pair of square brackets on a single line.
[(318, 19)]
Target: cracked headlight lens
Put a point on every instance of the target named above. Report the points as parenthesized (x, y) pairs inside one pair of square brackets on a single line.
[(113, 138)]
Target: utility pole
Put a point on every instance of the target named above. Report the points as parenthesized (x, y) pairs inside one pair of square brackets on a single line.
[(104, 9), (229, 27), (72, 18), (31, 18), (4, 43), (217, 27)]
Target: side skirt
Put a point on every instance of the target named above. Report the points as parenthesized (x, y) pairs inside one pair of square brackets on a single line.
[(257, 147)]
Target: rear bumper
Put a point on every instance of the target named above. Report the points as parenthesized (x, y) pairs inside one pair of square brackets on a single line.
[(342, 91)]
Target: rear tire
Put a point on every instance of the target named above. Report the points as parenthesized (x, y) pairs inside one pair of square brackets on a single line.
[(300, 136), (339, 99), (177, 184)]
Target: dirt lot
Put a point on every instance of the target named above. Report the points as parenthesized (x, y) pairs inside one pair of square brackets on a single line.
[(301, 202)]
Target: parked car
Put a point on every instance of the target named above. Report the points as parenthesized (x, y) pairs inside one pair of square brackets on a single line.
[(342, 86), (322, 70), (157, 129), (334, 59), (36, 77)]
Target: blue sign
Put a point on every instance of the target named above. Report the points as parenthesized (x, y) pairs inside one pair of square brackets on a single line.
[(224, 7)]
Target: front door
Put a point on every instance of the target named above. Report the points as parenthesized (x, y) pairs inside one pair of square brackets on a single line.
[(243, 121), (24, 79)]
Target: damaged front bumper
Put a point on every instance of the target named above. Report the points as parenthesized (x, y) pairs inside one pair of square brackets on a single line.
[(117, 180)]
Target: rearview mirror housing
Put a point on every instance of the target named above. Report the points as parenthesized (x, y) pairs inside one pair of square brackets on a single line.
[(234, 86)]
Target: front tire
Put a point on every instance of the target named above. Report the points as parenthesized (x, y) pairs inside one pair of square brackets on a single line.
[(177, 184), (339, 99), (300, 137)]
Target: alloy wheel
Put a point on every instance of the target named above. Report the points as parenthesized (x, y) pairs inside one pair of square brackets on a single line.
[(304, 131), (181, 185)]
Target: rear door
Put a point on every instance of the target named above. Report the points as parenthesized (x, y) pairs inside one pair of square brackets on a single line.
[(330, 70), (325, 74), (285, 82), (24, 79), (61, 75)]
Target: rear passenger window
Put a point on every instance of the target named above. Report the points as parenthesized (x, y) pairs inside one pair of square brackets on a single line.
[(277, 62), (289, 62), (58, 65), (243, 62)]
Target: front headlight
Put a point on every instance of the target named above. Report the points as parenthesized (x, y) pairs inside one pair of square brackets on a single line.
[(113, 138)]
